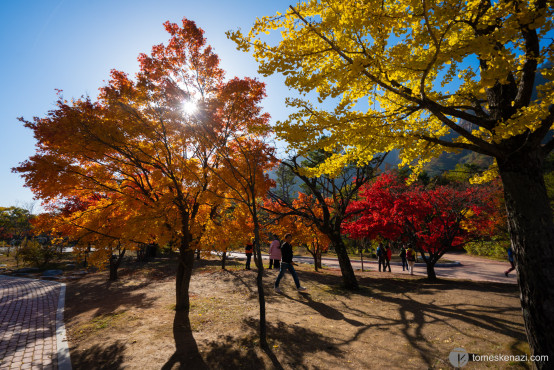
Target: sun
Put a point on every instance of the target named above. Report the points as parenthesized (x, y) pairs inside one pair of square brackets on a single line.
[(189, 107)]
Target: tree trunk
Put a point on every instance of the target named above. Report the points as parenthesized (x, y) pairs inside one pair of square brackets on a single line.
[(431, 275), (430, 263), (115, 262), (313, 252), (259, 281), (182, 281), (186, 352), (223, 260), (348, 278), (87, 251), (315, 262), (318, 261), (317, 257), (113, 268), (532, 236)]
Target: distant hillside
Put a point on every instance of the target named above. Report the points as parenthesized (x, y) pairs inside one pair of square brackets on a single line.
[(448, 161)]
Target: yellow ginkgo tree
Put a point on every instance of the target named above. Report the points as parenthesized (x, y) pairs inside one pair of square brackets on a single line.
[(425, 77)]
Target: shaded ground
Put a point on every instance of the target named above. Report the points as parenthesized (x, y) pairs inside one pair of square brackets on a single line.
[(394, 321)]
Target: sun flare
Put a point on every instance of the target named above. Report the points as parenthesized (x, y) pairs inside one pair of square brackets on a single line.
[(189, 107)]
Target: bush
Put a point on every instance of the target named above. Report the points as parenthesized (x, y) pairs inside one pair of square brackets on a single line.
[(489, 248), (36, 254)]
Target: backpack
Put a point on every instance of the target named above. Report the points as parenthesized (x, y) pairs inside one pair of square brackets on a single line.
[(410, 255)]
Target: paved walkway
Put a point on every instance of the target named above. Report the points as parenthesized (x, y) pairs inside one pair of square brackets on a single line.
[(470, 267), (28, 323), (477, 268)]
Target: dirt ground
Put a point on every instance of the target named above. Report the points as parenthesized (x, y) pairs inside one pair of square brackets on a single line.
[(393, 321)]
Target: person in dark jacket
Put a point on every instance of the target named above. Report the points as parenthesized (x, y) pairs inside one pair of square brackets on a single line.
[(381, 256), (404, 260), (286, 264), (248, 251), (511, 260)]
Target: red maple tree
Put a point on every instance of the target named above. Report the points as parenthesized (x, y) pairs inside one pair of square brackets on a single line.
[(433, 219)]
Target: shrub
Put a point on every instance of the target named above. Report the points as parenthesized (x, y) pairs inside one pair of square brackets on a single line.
[(36, 254), (488, 248)]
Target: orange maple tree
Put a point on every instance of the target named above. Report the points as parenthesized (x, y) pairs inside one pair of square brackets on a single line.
[(150, 160), (304, 230)]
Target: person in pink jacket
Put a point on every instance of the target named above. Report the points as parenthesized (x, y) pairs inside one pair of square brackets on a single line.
[(274, 253)]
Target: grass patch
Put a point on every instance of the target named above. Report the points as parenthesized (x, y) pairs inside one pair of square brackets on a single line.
[(100, 323), (105, 321)]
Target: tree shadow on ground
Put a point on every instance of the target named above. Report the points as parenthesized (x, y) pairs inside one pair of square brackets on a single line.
[(412, 298), (99, 358), (227, 353), (238, 278), (229, 264), (186, 355), (234, 352), (325, 310), (295, 350), (415, 314), (104, 297)]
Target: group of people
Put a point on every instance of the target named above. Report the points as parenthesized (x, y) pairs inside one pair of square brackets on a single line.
[(384, 255), (280, 257), (274, 253)]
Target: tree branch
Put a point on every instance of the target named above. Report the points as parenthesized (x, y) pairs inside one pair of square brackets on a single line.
[(450, 144)]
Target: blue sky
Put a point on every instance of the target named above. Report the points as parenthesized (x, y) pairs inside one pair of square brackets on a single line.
[(72, 45)]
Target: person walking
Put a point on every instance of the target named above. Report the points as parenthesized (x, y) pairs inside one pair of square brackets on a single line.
[(403, 257), (388, 256), (381, 256), (286, 264), (248, 251), (511, 260), (410, 256), (274, 253)]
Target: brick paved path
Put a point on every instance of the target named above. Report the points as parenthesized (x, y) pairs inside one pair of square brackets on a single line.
[(28, 323)]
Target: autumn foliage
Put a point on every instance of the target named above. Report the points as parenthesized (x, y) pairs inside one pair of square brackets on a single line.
[(433, 220), (304, 230), (425, 77), (139, 168)]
